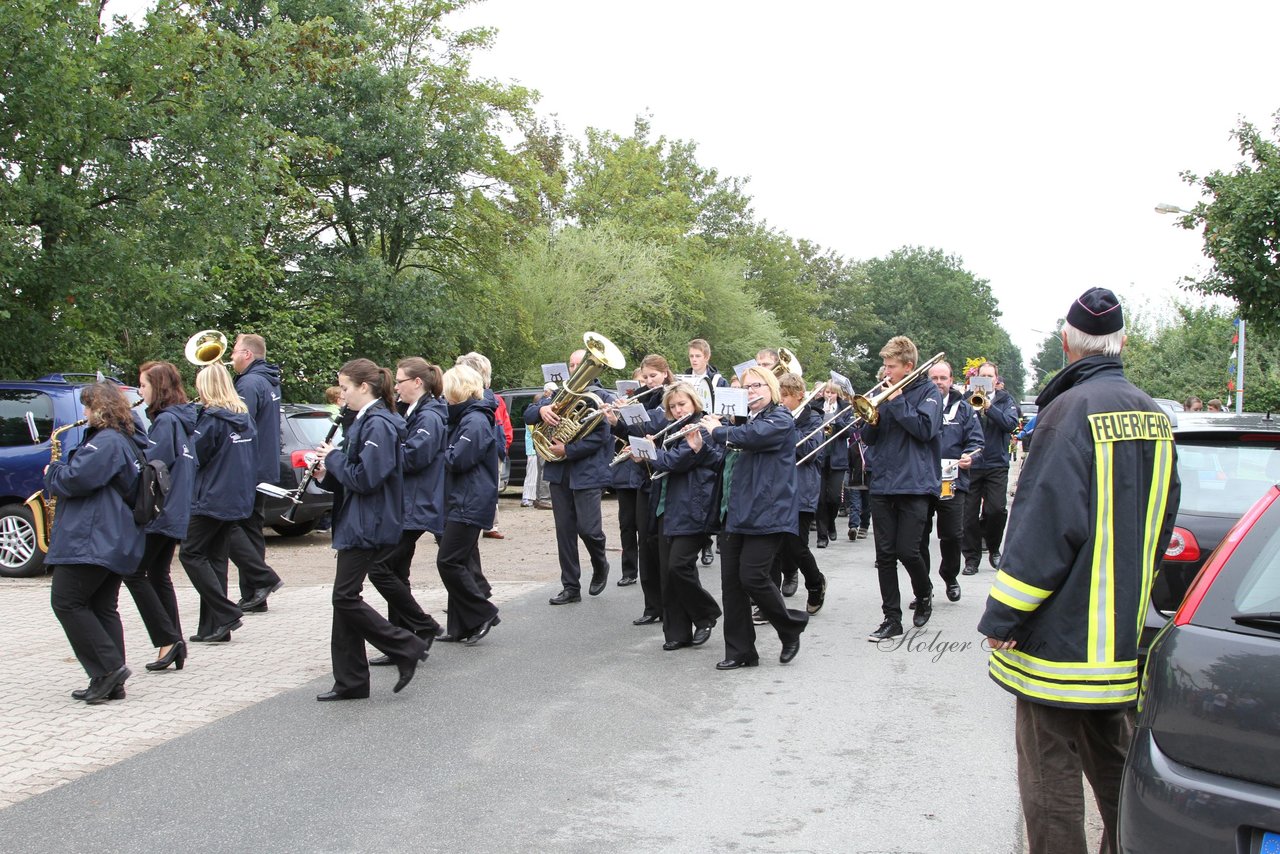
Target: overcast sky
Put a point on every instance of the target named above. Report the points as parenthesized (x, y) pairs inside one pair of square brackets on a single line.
[(1033, 140)]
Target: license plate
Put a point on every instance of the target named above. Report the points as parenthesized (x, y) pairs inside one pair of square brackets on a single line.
[(1270, 843)]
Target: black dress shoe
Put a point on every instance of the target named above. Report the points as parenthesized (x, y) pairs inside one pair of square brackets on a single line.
[(993, 558), (598, 581), (707, 557), (446, 638), (924, 610), (221, 633), (822, 544), (474, 637), (177, 656), (627, 580), (970, 568), (209, 638), (670, 645), (853, 533), (647, 619), (953, 592), (343, 695), (81, 693), (408, 666), (429, 636), (790, 584), (99, 690), (702, 633), (381, 661), (260, 608), (789, 650), (734, 663), (564, 597)]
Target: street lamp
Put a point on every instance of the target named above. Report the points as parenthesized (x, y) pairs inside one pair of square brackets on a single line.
[(1172, 209), (1054, 334)]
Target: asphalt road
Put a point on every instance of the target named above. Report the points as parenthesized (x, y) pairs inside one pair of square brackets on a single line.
[(568, 729)]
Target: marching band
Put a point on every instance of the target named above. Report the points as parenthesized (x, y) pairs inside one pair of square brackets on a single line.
[(421, 453)]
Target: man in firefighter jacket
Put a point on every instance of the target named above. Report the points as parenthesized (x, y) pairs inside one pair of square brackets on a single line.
[(1094, 513)]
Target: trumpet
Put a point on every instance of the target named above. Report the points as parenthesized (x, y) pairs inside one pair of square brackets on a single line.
[(866, 407), (978, 398)]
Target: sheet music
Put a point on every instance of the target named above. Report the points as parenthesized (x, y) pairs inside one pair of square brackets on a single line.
[(555, 372), (633, 413), (731, 402), (644, 448)]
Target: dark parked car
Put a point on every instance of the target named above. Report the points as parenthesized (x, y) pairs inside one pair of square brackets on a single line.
[(302, 427), (52, 401), (1203, 773), (517, 400), (1225, 462)]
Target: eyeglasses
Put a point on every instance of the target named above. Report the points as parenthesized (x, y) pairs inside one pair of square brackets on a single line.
[(404, 380), (754, 386)]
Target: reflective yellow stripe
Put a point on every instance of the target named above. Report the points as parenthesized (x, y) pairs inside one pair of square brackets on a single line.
[(1017, 594), (1157, 501), (1064, 692), (1078, 670), (1040, 593), (1102, 638)]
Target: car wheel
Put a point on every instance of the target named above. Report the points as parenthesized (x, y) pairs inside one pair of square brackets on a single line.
[(294, 530), (19, 557)]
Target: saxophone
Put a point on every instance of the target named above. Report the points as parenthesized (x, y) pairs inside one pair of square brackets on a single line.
[(42, 508)]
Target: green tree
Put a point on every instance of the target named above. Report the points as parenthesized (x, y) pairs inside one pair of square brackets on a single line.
[(1241, 224)]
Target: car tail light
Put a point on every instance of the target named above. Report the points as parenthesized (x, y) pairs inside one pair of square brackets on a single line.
[(1205, 577), (298, 459), (1182, 546)]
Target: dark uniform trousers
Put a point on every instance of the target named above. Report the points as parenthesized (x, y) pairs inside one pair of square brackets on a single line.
[(248, 551), (985, 512), (899, 522), (829, 494), (458, 561), (794, 554), (355, 621), (204, 557), (950, 516), (389, 575), (152, 590), (1054, 746), (745, 561), (84, 599), (577, 515), (685, 602)]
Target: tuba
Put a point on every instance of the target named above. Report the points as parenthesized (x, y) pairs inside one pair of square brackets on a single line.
[(42, 508), (787, 364), (579, 410), (205, 348)]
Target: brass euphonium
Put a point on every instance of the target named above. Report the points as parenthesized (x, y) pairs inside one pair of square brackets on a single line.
[(579, 410), (787, 364), (206, 347)]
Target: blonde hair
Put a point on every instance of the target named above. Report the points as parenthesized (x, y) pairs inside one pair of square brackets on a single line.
[(479, 363), (792, 384), (462, 382), (213, 383), (685, 389), (769, 379), (902, 349)]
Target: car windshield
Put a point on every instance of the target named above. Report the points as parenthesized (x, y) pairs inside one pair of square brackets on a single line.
[(1226, 479), (312, 426)]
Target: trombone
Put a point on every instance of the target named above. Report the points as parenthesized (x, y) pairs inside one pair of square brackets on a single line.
[(867, 407)]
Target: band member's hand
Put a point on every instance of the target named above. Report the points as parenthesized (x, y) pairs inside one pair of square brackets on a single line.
[(610, 414), (996, 643), (710, 422), (548, 415), (557, 448), (965, 461), (694, 438), (323, 450)]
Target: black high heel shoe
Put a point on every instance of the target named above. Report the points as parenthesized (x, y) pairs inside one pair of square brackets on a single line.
[(177, 656)]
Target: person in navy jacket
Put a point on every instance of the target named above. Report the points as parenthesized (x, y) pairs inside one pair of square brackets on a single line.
[(577, 483), (368, 516), (418, 384), (170, 440), (760, 505), (223, 495), (685, 505), (833, 463), (258, 385), (987, 505), (631, 482), (794, 555), (471, 490), (905, 477), (961, 440), (94, 541)]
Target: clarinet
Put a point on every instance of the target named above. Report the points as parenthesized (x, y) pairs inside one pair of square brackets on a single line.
[(310, 474)]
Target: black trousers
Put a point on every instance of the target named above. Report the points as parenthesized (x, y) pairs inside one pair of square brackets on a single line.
[(389, 575), (899, 523), (950, 516), (986, 510), (829, 494), (248, 551), (745, 561), (85, 600), (204, 557), (685, 602), (794, 555), (152, 590), (577, 516), (634, 520), (458, 561), (1055, 746), (629, 531), (355, 621)]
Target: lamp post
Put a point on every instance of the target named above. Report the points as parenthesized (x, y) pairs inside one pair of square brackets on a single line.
[(1055, 334), (1165, 208)]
